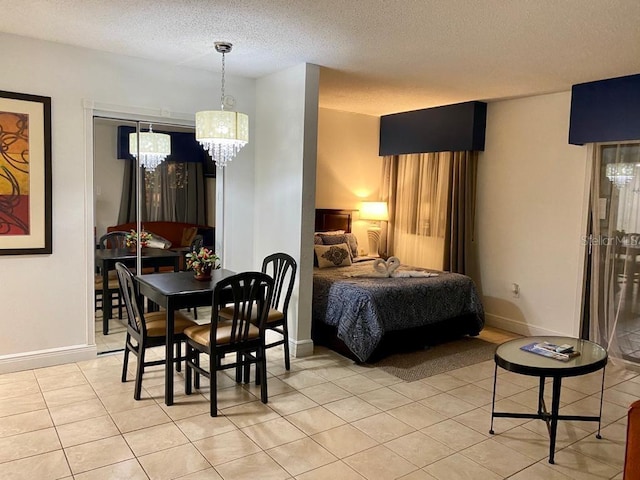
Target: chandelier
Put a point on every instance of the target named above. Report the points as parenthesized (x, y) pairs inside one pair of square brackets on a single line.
[(620, 174), (222, 133), (154, 148)]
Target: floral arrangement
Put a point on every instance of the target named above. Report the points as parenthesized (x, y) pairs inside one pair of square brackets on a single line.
[(202, 260), (132, 238)]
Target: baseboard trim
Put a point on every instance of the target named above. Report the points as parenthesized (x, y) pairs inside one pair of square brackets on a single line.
[(46, 358), (301, 348), (518, 327)]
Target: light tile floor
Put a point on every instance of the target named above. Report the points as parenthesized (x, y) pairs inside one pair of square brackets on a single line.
[(327, 418)]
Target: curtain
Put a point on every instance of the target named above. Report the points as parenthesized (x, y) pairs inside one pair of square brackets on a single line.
[(615, 247), (127, 211), (431, 201), (173, 192), (459, 244), (415, 188)]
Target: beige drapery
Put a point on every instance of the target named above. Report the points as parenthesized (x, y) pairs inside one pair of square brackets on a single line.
[(431, 200), (459, 246)]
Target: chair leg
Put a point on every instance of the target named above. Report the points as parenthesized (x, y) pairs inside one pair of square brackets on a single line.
[(196, 374), (262, 366), (285, 334), (178, 355), (239, 367), (213, 382), (188, 370), (247, 370), (139, 372), (125, 364)]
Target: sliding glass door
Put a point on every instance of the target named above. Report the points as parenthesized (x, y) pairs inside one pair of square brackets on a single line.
[(613, 293)]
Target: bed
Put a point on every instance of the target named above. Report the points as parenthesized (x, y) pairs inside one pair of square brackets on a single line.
[(366, 318)]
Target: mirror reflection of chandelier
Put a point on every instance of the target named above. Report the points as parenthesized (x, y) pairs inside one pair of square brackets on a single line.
[(221, 132), (620, 174), (154, 148)]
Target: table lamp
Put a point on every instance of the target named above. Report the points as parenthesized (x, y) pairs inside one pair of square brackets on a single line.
[(375, 212)]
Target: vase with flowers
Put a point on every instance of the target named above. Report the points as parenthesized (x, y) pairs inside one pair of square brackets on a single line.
[(202, 261), (132, 238)]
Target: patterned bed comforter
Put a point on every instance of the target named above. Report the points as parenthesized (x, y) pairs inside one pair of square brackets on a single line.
[(364, 309)]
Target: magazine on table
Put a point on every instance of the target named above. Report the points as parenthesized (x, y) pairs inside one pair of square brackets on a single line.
[(563, 352)]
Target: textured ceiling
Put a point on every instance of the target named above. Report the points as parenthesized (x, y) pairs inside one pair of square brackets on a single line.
[(378, 56)]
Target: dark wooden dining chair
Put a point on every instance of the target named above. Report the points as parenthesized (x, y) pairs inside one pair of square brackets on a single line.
[(282, 268), (240, 298), (107, 241), (146, 330), (196, 244), (113, 240)]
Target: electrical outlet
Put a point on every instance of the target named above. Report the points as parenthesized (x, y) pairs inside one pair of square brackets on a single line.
[(515, 290)]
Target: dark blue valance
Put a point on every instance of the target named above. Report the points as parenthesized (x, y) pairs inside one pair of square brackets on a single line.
[(605, 111), (451, 128)]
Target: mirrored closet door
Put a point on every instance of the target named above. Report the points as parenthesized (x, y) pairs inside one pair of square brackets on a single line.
[(159, 208)]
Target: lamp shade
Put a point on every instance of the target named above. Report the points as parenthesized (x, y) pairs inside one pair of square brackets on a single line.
[(374, 211), (154, 148), (222, 133)]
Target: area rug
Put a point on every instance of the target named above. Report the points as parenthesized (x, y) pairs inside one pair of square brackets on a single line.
[(437, 359)]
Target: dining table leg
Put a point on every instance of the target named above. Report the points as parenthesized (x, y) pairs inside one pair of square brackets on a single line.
[(168, 370)]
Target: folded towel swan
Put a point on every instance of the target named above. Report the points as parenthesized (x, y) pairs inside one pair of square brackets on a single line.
[(386, 269)]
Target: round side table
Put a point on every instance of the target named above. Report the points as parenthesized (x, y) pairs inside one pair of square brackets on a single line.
[(510, 356)]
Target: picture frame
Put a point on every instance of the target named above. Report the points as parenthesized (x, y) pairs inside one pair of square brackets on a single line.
[(25, 174)]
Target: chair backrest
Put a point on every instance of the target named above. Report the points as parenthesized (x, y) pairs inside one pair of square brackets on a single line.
[(243, 296), (282, 268), (632, 451), (113, 240), (197, 243), (132, 301)]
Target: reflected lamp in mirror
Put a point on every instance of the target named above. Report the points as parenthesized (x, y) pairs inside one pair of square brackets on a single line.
[(154, 148), (374, 212), (620, 174)]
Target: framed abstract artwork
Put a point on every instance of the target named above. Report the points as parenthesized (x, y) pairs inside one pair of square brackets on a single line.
[(25, 174)]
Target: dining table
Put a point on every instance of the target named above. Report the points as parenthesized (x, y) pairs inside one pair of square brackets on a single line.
[(107, 258), (175, 291)]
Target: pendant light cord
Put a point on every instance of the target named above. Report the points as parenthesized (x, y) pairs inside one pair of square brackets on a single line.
[(222, 96)]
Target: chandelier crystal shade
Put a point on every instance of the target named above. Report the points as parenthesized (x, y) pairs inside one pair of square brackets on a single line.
[(222, 133), (620, 174), (154, 148)]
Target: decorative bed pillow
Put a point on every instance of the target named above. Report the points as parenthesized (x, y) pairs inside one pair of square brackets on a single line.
[(347, 238), (156, 241), (188, 234), (331, 232), (333, 255), (352, 241), (317, 239), (333, 239)]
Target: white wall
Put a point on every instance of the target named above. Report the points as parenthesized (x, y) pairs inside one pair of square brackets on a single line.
[(349, 169), (235, 190), (285, 164), (108, 172), (531, 214), (50, 296)]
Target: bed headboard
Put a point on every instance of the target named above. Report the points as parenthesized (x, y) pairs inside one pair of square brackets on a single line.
[(333, 219)]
